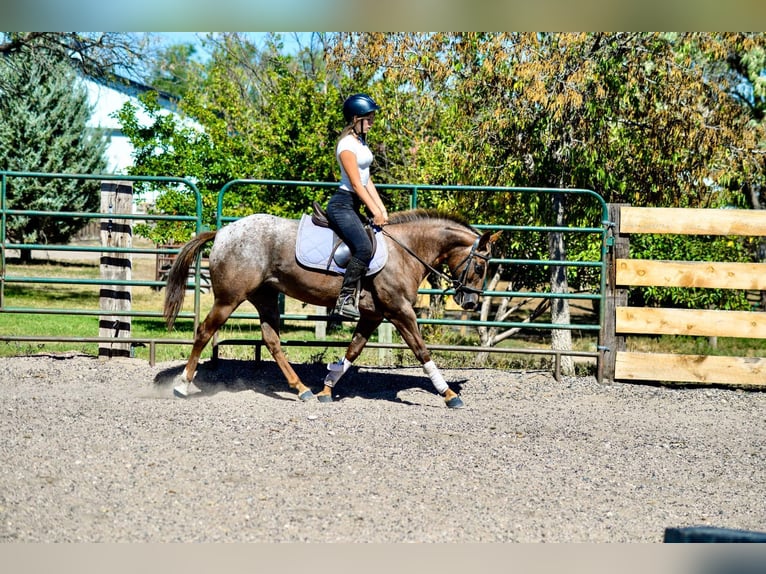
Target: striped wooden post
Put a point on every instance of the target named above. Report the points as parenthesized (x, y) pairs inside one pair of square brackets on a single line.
[(116, 198)]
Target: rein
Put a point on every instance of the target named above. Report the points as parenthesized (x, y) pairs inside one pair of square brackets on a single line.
[(456, 284)]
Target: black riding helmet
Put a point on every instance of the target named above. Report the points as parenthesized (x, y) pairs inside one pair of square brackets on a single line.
[(358, 105)]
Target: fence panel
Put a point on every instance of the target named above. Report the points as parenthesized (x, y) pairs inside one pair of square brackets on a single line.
[(626, 272), (109, 252), (415, 196)]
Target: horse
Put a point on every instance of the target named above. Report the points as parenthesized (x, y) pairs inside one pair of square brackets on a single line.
[(254, 259)]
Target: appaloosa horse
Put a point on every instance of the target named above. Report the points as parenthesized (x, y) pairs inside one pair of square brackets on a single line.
[(254, 259)]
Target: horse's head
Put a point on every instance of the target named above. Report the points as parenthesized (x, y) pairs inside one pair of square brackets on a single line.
[(471, 272)]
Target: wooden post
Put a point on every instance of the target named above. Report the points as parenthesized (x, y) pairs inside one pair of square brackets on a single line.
[(615, 297), (385, 335), (320, 327), (116, 198)]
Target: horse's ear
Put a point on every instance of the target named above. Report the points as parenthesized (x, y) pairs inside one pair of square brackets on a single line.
[(488, 238)]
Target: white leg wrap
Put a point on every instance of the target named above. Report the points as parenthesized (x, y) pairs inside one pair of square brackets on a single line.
[(185, 386), (337, 370), (433, 373)]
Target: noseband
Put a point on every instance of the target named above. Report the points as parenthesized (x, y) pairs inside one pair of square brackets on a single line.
[(457, 284)]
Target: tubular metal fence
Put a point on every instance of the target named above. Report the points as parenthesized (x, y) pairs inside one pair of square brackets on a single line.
[(415, 196)]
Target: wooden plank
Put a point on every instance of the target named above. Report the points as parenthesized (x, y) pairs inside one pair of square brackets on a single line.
[(749, 222), (740, 371), (710, 274), (696, 322)]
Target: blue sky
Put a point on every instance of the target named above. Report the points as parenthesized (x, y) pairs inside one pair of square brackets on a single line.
[(169, 38)]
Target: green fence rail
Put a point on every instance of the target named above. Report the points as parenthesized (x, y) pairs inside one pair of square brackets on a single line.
[(6, 279), (415, 193), (414, 197)]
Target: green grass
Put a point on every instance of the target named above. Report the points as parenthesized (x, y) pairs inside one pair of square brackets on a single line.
[(682, 344), (144, 299)]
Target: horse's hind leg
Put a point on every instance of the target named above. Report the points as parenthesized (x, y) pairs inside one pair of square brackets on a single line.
[(214, 320), (362, 333), (266, 302)]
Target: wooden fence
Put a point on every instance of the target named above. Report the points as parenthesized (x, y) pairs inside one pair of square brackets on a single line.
[(623, 272)]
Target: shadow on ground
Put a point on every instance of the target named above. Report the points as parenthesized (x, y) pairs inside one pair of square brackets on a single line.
[(236, 375)]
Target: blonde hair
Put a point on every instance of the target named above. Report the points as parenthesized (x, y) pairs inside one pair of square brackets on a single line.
[(349, 129)]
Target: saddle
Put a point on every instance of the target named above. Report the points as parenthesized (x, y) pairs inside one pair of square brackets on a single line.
[(318, 247), (340, 251), (319, 216)]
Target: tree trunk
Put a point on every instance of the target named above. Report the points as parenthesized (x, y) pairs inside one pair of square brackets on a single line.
[(561, 339)]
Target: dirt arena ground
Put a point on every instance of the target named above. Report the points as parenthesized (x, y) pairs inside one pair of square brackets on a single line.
[(101, 451)]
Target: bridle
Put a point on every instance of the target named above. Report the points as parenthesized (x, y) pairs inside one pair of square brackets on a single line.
[(457, 284)]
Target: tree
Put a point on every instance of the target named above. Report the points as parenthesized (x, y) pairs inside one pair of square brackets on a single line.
[(652, 119), (635, 117), (43, 115), (263, 115), (96, 54), (746, 66), (174, 70)]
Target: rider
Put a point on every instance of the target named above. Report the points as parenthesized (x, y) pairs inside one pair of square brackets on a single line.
[(356, 189)]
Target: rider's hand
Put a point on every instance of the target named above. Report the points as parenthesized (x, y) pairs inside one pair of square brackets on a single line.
[(381, 218)]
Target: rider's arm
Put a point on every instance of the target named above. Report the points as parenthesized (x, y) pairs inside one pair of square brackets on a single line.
[(373, 191)]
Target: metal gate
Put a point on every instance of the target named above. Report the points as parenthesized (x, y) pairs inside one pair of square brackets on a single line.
[(416, 195)]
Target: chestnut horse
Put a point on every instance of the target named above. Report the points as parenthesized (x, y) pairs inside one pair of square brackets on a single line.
[(254, 259)]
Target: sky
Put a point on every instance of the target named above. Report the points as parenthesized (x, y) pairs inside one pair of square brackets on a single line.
[(289, 39)]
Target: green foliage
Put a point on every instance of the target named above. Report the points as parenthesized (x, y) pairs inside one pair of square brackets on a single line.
[(690, 248), (258, 116), (640, 118), (43, 116), (650, 119), (163, 147)]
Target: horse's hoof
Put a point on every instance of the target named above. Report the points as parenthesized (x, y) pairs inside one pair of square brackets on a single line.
[(185, 389), (306, 395), (455, 403), (324, 398), (180, 392)]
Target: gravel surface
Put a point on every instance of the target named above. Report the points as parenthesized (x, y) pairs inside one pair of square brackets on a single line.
[(99, 451)]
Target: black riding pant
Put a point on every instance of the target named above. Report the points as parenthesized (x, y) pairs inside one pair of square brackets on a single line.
[(343, 214)]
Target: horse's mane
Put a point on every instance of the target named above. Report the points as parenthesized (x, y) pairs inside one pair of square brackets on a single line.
[(415, 215)]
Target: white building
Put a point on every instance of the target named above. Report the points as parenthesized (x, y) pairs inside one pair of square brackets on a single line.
[(108, 96)]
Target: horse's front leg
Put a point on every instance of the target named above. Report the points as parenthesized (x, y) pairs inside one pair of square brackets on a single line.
[(406, 324), (364, 329)]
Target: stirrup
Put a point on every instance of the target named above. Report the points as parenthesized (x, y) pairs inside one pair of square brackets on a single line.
[(346, 306)]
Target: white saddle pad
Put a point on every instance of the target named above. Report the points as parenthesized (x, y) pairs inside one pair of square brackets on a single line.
[(314, 246)]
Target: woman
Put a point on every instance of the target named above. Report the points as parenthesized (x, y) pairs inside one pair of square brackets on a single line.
[(356, 189)]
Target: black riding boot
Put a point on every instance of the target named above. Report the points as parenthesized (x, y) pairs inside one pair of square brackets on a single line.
[(346, 306)]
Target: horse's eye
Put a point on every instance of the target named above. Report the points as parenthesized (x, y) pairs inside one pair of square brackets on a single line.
[(479, 268)]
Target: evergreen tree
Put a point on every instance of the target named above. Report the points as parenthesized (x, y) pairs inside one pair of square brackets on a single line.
[(43, 115)]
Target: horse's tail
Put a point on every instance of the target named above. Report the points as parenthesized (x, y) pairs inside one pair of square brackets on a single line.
[(178, 275)]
